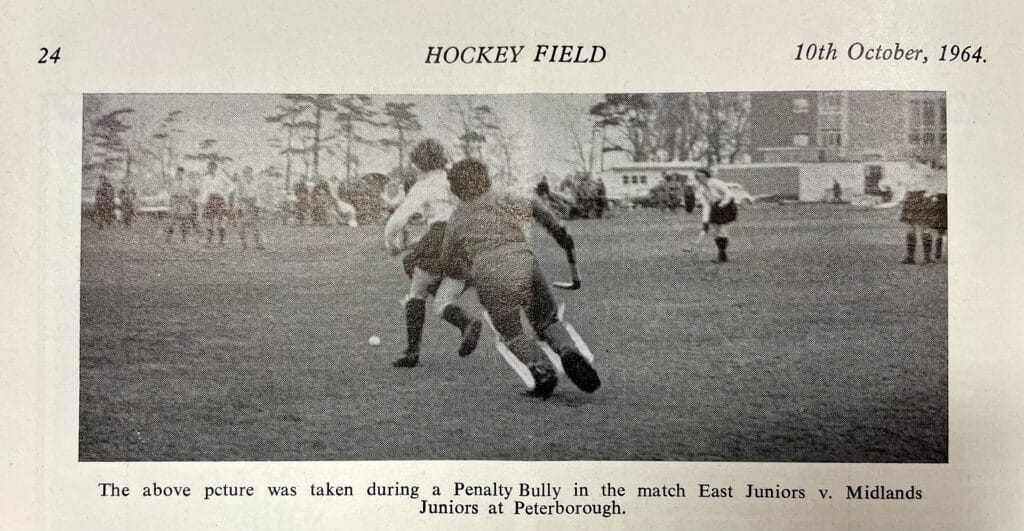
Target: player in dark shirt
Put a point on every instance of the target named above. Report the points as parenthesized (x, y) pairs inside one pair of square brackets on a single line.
[(485, 240), (104, 203)]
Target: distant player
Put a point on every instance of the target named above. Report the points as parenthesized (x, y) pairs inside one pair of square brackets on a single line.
[(216, 188), (302, 205), (340, 210), (485, 241), (431, 199), (250, 202), (181, 206), (921, 213), (938, 210), (127, 198), (718, 209), (104, 213)]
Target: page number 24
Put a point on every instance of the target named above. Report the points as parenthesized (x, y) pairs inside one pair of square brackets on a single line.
[(49, 56)]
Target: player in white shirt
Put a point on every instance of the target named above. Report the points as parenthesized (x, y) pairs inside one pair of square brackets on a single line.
[(250, 194), (432, 199), (215, 189), (181, 205), (718, 209), (924, 211)]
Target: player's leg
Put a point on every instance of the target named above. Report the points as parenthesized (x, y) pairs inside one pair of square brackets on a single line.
[(518, 366), (243, 226), (348, 212), (926, 244), (210, 214), (542, 312), (415, 316), (522, 346), (445, 307), (939, 223), (257, 221), (910, 215), (911, 244), (720, 217), (222, 221), (721, 241)]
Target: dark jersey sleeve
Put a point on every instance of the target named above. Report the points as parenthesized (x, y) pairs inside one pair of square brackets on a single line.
[(551, 223)]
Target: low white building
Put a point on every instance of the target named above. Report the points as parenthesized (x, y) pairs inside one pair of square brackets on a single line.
[(635, 179), (803, 181)]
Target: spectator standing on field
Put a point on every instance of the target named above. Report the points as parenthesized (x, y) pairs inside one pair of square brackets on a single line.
[(127, 198), (250, 201), (216, 189), (181, 206), (104, 214), (923, 212)]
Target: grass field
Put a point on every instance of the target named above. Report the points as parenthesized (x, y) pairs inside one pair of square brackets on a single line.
[(813, 344)]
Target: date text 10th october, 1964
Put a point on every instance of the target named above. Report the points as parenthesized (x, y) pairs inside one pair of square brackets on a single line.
[(895, 52)]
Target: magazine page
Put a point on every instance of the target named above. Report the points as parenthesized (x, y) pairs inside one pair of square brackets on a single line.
[(641, 265)]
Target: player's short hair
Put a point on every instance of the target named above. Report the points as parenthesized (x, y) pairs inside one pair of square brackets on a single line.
[(469, 179), (428, 155)]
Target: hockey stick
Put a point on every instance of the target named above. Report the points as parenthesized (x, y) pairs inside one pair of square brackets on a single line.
[(575, 283)]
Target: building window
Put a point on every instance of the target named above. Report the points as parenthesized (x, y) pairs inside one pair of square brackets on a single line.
[(831, 102), (625, 179), (643, 179), (802, 139), (926, 121), (831, 119), (635, 179), (801, 105), (831, 138)]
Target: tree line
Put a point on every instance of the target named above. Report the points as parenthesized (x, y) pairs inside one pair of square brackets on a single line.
[(312, 130), (708, 127)]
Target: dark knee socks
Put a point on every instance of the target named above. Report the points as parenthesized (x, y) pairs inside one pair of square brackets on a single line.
[(415, 315), (456, 316), (722, 242), (911, 247)]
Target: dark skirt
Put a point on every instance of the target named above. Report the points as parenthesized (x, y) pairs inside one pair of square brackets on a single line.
[(426, 254), (216, 208), (721, 215), (916, 208)]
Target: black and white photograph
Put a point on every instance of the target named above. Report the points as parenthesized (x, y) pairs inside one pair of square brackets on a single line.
[(753, 276)]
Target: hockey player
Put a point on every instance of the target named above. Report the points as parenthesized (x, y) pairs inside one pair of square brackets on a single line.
[(921, 212), (215, 191), (250, 203), (937, 208), (486, 243), (104, 214), (181, 206), (431, 199), (718, 209)]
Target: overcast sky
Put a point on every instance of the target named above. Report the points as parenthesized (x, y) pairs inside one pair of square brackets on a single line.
[(237, 122)]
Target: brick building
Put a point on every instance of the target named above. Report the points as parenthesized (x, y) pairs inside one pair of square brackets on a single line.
[(847, 126)]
